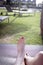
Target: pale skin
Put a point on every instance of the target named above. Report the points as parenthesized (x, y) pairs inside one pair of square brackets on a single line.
[(37, 60), (25, 59)]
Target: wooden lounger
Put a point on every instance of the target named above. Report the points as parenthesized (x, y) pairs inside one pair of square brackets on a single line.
[(2, 18)]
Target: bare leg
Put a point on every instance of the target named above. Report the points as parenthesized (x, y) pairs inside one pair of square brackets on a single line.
[(20, 49), (37, 60)]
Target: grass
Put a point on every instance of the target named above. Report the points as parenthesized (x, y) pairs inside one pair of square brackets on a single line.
[(27, 26)]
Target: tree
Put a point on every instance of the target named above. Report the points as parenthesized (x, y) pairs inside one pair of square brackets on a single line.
[(19, 7), (42, 23)]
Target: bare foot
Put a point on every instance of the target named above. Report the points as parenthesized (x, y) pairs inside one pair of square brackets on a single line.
[(20, 48)]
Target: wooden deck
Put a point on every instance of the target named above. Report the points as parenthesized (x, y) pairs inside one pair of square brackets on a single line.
[(11, 49), (8, 52)]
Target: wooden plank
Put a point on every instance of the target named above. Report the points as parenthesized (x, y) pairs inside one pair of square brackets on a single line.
[(10, 50)]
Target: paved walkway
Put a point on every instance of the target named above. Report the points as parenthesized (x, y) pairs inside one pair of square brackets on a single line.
[(8, 52)]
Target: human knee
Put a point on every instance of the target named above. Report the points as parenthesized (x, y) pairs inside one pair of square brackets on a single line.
[(40, 54)]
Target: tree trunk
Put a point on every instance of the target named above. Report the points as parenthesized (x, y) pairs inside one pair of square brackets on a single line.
[(42, 24)]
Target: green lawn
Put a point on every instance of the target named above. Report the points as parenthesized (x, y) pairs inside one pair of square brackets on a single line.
[(27, 26)]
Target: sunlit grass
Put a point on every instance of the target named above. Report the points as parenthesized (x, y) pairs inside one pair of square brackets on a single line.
[(27, 26)]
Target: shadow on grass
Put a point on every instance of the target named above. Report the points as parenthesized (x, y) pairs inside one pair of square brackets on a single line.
[(11, 28), (14, 19), (25, 15)]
